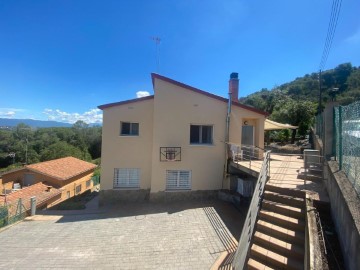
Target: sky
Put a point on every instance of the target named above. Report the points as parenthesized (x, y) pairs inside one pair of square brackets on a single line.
[(61, 59)]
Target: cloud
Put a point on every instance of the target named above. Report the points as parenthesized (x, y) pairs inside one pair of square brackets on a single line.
[(91, 116), (9, 112), (140, 94)]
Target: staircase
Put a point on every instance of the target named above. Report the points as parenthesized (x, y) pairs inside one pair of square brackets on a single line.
[(279, 237)]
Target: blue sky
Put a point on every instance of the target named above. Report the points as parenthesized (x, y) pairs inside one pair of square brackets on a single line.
[(60, 59)]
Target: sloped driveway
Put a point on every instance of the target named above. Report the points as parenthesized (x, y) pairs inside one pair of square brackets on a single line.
[(182, 235)]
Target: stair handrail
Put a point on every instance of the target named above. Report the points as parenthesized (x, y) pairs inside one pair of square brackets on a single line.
[(247, 233)]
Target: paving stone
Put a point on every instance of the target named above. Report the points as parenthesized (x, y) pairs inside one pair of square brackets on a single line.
[(130, 236)]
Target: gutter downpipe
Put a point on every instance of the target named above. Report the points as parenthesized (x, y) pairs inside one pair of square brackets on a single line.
[(227, 132)]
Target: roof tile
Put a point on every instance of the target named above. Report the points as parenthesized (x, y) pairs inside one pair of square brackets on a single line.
[(62, 168)]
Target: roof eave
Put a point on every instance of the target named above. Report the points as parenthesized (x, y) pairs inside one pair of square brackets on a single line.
[(109, 105)]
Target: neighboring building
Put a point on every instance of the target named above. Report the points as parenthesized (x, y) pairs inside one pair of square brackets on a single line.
[(70, 175), (46, 196), (172, 141)]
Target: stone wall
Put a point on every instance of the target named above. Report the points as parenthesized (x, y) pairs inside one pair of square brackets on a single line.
[(197, 195), (113, 196)]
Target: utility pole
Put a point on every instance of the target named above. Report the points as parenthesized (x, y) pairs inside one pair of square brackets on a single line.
[(320, 92), (157, 41)]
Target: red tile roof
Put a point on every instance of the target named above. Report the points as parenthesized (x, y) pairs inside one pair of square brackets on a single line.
[(40, 190), (62, 168)]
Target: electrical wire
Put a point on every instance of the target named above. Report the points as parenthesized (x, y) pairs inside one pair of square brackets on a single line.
[(334, 17)]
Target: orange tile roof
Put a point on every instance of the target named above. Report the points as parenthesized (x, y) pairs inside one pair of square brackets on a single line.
[(62, 168), (39, 190)]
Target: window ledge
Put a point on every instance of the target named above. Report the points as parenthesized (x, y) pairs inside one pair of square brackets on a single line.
[(126, 188), (177, 190), (201, 144)]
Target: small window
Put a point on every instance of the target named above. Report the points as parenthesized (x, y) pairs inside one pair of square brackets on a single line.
[(201, 134), (67, 194), (126, 178), (178, 180), (78, 189), (88, 183), (129, 129)]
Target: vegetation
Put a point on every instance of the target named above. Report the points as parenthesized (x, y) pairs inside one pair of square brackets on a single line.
[(296, 102), (34, 145)]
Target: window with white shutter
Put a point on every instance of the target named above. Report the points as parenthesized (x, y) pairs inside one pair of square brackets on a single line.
[(126, 178), (178, 180)]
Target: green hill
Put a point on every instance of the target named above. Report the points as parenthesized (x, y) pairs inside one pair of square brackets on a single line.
[(297, 102)]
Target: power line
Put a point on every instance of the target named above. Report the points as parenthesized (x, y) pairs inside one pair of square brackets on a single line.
[(335, 11)]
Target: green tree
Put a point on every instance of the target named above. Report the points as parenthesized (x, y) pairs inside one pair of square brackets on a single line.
[(63, 149)]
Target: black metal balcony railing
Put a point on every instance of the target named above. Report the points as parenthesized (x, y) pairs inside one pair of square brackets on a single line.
[(170, 153)]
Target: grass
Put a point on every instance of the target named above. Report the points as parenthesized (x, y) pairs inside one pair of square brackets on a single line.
[(75, 203)]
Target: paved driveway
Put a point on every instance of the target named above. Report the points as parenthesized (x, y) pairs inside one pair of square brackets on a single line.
[(182, 235)]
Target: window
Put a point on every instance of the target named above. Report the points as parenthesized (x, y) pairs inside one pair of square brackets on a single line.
[(88, 183), (67, 194), (78, 189), (178, 180), (126, 178), (201, 134), (129, 129)]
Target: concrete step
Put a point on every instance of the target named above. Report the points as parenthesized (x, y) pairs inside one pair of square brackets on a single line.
[(283, 221), (290, 250), (255, 265), (310, 177), (274, 259), (285, 191), (283, 209), (285, 234), (284, 199)]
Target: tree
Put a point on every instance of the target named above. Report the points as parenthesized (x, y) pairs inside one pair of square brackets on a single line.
[(298, 113), (63, 149)]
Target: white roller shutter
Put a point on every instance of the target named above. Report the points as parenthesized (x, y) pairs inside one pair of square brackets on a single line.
[(178, 180), (126, 178)]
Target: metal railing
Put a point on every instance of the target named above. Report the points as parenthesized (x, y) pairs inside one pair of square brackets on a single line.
[(251, 217)]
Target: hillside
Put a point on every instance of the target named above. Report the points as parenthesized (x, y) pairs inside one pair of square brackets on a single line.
[(297, 102), (6, 122)]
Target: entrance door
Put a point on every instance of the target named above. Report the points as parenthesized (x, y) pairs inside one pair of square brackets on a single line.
[(247, 141), (248, 136)]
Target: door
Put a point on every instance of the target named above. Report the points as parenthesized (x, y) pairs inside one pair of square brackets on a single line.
[(29, 179), (247, 141)]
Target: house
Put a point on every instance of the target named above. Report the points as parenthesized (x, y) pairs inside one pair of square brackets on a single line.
[(45, 196), (172, 144), (70, 175)]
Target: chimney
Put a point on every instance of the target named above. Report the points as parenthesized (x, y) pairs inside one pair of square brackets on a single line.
[(234, 86)]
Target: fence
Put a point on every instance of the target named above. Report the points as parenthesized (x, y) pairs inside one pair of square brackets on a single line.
[(12, 212), (95, 179), (347, 141), (249, 224)]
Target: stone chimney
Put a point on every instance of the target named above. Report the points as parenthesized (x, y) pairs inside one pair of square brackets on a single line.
[(234, 86)]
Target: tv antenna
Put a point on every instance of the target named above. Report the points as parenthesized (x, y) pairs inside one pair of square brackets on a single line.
[(157, 41)]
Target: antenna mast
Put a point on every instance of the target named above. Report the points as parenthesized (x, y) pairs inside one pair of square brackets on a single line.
[(157, 43)]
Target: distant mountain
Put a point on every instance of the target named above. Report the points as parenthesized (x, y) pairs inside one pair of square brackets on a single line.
[(6, 122)]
